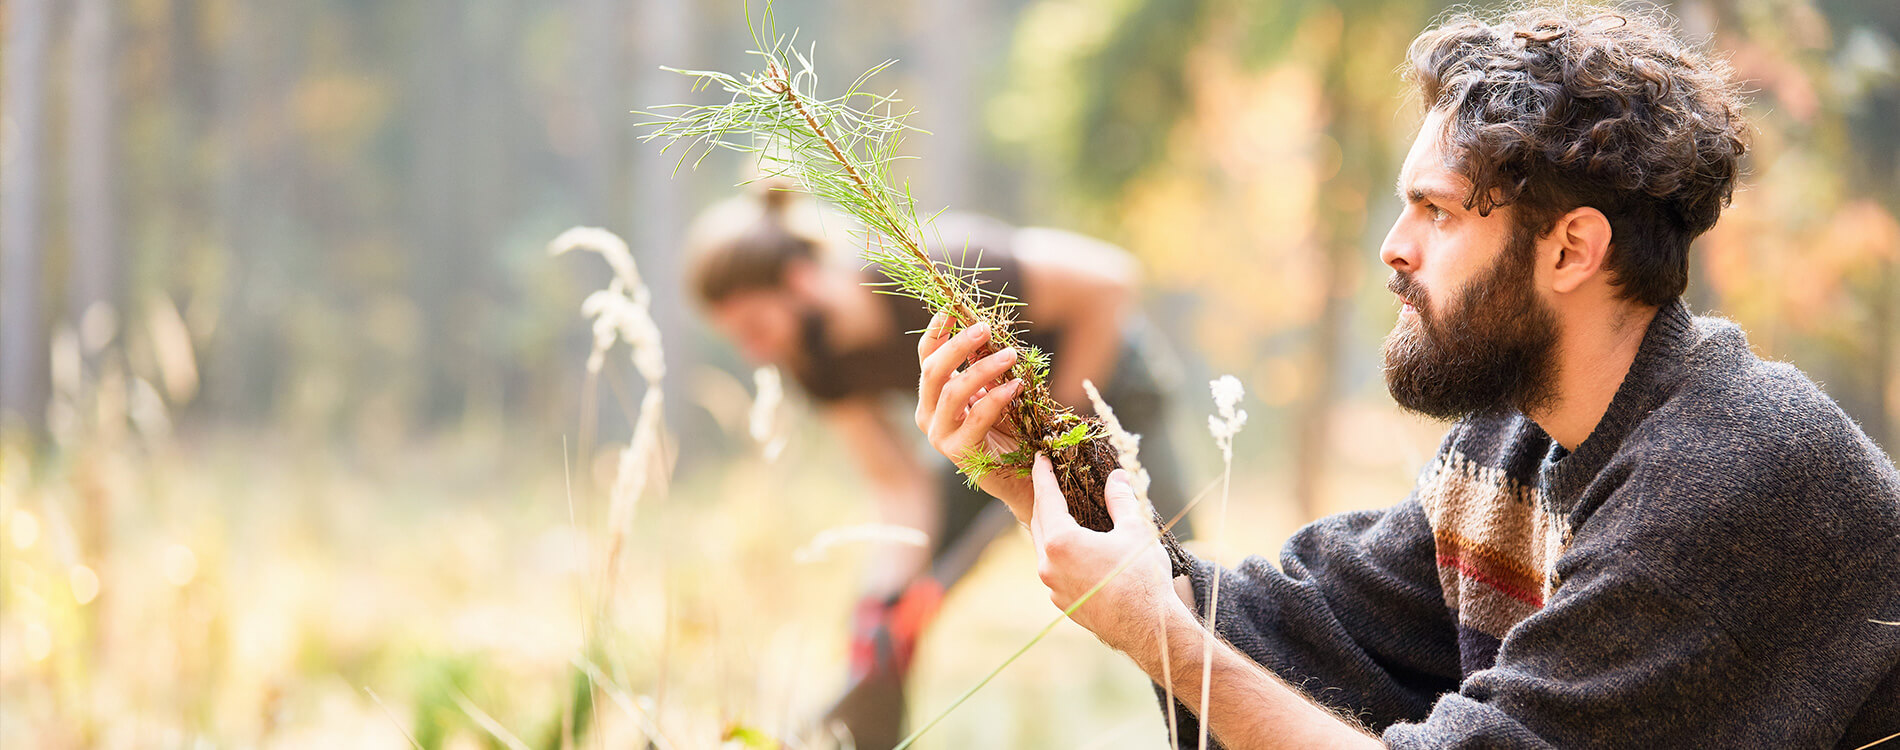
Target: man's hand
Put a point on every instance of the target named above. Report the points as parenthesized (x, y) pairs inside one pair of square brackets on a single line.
[(1074, 559), (1133, 611), (959, 410)]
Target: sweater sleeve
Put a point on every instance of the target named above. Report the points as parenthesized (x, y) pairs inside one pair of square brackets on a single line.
[(1354, 617)]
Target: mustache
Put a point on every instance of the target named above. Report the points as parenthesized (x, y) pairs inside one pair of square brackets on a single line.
[(1407, 288)]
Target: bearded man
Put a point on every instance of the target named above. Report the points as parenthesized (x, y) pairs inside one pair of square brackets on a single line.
[(1635, 534)]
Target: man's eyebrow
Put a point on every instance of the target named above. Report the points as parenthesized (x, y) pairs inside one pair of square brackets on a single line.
[(1421, 192)]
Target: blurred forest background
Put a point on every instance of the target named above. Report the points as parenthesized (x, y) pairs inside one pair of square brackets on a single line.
[(292, 394)]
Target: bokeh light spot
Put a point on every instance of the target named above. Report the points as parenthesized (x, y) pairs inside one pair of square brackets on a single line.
[(180, 564), (25, 529), (38, 641), (85, 584)]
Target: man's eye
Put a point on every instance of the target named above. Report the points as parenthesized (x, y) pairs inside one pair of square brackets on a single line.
[(1437, 214)]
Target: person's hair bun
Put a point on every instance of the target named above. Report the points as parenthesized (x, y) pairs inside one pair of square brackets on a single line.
[(775, 194)]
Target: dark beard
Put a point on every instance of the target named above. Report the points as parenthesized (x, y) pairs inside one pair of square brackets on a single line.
[(1497, 346)]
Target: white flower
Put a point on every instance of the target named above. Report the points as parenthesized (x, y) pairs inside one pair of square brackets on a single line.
[(1227, 394)]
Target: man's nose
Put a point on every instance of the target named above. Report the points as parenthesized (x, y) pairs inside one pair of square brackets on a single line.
[(1398, 251)]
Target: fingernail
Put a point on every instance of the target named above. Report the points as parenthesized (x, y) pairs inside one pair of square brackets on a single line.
[(1014, 385), (1007, 353), (1118, 476), (936, 322)]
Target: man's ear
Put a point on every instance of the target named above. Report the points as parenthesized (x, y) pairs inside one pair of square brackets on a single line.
[(1581, 239)]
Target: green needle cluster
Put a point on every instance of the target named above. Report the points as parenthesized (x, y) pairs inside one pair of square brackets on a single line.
[(840, 150)]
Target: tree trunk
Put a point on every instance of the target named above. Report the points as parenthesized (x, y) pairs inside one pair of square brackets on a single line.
[(92, 202), (444, 177), (661, 206), (599, 154), (23, 355), (945, 38)]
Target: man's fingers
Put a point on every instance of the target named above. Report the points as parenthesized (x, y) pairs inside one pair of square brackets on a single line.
[(1123, 507), (962, 386), (986, 411), (975, 397), (937, 366)]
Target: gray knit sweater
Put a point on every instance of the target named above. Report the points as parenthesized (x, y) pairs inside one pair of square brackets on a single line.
[(1711, 568)]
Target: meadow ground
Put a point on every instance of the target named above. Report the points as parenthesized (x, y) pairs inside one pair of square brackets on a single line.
[(245, 591)]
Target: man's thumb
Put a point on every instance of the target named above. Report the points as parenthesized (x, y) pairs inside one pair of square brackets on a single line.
[(1123, 507)]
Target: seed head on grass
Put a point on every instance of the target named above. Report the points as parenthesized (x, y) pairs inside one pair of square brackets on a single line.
[(1229, 419), (622, 312), (1127, 444)]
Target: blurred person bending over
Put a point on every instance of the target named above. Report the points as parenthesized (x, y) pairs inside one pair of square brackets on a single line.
[(1636, 534), (775, 273)]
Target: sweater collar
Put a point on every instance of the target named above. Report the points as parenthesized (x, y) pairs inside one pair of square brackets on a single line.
[(1652, 376)]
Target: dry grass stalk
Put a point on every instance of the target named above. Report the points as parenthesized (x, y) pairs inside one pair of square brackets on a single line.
[(392, 718), (488, 723), (621, 312), (639, 709), (768, 395), (1127, 445), (1881, 741), (1227, 393)]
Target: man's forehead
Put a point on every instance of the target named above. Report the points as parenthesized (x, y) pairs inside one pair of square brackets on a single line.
[(1425, 172)]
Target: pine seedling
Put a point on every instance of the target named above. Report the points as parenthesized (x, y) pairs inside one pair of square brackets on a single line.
[(841, 150)]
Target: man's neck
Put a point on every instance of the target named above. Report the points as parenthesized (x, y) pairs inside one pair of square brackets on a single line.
[(1592, 361)]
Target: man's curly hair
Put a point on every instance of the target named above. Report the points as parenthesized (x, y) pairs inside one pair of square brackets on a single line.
[(1552, 109)]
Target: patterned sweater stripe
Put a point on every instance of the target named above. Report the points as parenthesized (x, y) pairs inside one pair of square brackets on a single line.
[(1496, 546)]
